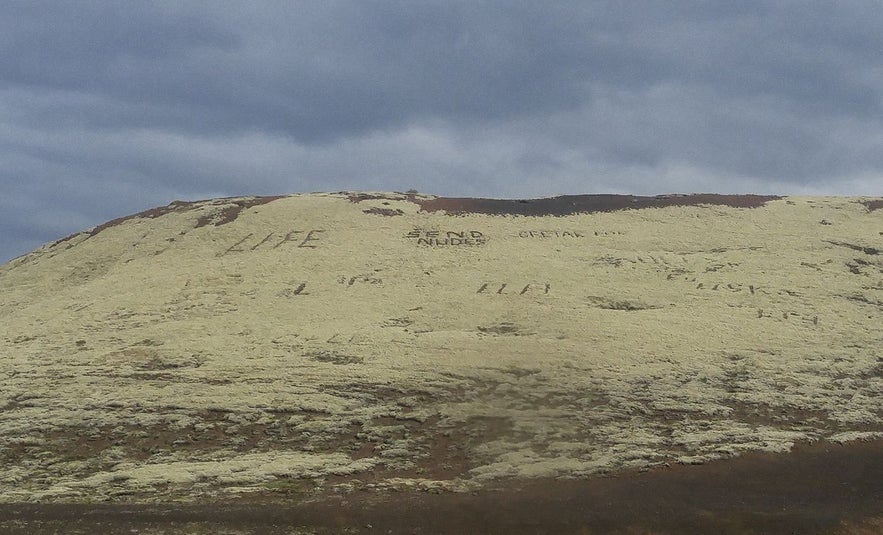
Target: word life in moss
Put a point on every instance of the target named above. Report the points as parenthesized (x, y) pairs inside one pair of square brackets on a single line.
[(505, 288), (303, 239)]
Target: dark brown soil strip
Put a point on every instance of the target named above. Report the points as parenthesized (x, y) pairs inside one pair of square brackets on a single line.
[(229, 214), (175, 206), (860, 248), (576, 204), (570, 204), (388, 212), (821, 488)]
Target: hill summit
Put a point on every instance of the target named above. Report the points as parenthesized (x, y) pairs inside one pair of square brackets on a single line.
[(355, 341)]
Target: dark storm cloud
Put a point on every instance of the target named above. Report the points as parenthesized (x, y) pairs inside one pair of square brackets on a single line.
[(107, 108), (315, 72)]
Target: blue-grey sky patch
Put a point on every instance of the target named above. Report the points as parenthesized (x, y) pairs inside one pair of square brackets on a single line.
[(108, 108)]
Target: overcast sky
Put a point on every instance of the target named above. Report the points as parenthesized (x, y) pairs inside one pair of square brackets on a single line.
[(108, 108)]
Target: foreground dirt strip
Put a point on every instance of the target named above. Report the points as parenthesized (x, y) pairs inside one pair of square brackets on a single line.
[(821, 488)]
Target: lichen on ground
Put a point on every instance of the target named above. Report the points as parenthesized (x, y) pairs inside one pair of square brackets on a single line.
[(241, 346)]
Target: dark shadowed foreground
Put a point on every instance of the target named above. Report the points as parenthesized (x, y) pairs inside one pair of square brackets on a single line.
[(819, 488)]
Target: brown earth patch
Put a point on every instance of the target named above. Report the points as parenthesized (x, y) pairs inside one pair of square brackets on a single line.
[(230, 213), (575, 204), (388, 212), (227, 215), (207, 432), (820, 488), (876, 204), (861, 248), (570, 204), (152, 213), (446, 452), (357, 197)]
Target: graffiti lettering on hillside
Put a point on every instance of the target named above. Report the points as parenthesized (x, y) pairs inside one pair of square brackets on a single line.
[(293, 291), (302, 239), (449, 238), (550, 234), (503, 288), (358, 279)]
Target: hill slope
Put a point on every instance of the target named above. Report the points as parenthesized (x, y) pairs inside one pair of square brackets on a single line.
[(350, 341)]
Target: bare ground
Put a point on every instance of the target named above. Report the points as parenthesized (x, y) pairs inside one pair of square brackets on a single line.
[(820, 488)]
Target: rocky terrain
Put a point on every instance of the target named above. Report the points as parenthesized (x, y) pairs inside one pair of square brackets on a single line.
[(304, 348)]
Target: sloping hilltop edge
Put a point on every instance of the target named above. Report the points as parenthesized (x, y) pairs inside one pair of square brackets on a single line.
[(356, 342)]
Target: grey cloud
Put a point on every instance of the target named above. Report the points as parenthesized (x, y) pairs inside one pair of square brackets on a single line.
[(319, 71), (108, 108), (343, 69)]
